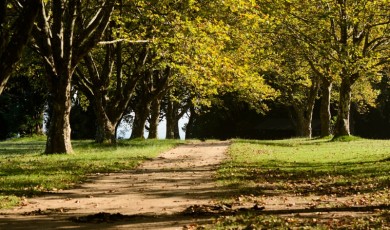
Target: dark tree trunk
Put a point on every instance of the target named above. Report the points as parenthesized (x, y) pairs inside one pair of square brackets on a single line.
[(190, 123), (106, 129), (154, 119), (303, 122), (304, 112), (141, 116), (58, 138), (325, 115), (170, 130), (176, 134), (342, 123)]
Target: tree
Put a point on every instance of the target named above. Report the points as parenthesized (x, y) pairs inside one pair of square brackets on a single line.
[(153, 86), (108, 80), (24, 101), (298, 88), (177, 103), (352, 34), (65, 32), (14, 33)]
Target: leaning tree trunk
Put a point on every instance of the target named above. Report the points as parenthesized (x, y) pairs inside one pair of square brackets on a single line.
[(342, 123), (141, 116), (154, 119), (325, 114), (58, 138)]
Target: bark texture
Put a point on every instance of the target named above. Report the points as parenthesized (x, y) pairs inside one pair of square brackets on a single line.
[(342, 127), (303, 112), (58, 140), (154, 119), (325, 114)]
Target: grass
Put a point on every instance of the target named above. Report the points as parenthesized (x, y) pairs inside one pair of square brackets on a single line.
[(354, 171), (25, 171)]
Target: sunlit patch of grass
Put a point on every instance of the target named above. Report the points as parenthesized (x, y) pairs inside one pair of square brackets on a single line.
[(26, 171), (8, 201)]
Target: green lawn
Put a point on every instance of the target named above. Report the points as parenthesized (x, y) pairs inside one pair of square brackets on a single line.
[(356, 171), (26, 171)]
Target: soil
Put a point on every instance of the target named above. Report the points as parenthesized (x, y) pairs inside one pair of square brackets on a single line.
[(153, 196)]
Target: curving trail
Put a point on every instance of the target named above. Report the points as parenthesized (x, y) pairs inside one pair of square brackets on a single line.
[(156, 191)]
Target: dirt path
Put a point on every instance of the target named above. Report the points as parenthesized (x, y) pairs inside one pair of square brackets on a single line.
[(156, 191)]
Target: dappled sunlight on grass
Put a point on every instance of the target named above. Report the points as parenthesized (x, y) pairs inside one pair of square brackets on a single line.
[(342, 173), (26, 171)]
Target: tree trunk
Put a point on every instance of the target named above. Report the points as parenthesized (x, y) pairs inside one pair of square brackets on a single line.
[(304, 111), (141, 116), (342, 122), (58, 138), (190, 123), (170, 133), (176, 133), (325, 115), (106, 129), (154, 119), (303, 122)]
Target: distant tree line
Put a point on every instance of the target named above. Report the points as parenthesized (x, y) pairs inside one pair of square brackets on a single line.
[(254, 69)]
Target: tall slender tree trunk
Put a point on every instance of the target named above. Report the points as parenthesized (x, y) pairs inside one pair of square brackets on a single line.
[(176, 131), (342, 123), (325, 114), (154, 118), (190, 123), (58, 138), (170, 130)]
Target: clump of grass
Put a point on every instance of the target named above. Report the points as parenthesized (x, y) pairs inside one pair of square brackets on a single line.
[(346, 138), (8, 201), (26, 171)]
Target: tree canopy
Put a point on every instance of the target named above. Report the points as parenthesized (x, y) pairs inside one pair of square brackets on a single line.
[(165, 58)]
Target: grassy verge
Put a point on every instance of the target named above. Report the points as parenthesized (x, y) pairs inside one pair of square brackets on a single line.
[(328, 174), (25, 171)]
